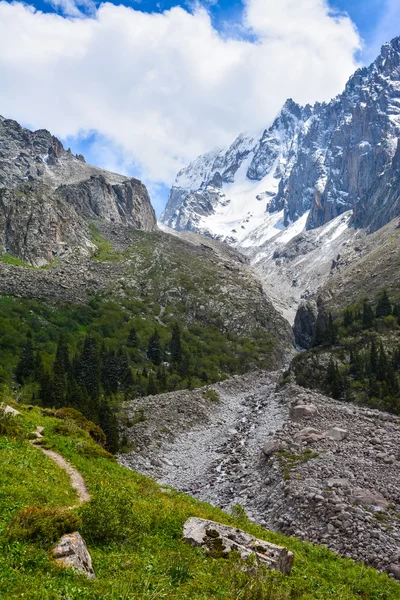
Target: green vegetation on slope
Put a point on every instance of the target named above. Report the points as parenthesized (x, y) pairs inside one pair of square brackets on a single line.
[(91, 357), (133, 530), (357, 355)]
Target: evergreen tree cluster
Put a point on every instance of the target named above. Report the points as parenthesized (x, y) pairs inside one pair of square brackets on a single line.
[(93, 379), (372, 372)]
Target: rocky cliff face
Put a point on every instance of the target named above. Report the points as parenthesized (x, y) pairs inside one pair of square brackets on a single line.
[(48, 196), (324, 159)]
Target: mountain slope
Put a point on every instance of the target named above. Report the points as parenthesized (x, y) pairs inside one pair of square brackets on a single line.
[(48, 197), (326, 159)]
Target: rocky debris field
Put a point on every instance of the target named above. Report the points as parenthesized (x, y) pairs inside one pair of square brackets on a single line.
[(297, 461)]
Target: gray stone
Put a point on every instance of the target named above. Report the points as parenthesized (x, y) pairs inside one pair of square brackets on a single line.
[(270, 447), (303, 410), (395, 570), (217, 539), (336, 433), (369, 498), (71, 551)]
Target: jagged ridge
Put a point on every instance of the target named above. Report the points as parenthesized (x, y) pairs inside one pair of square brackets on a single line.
[(325, 159)]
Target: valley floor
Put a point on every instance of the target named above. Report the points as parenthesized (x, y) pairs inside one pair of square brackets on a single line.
[(342, 493)]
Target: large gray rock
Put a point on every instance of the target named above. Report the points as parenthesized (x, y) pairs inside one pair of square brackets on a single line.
[(270, 447), (395, 570), (71, 551), (303, 410), (336, 433), (219, 540), (369, 498)]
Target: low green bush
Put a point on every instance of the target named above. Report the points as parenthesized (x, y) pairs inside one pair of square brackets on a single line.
[(9, 424), (211, 395), (44, 525), (71, 414), (110, 517)]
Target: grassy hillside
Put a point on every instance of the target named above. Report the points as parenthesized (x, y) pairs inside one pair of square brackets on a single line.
[(133, 530)]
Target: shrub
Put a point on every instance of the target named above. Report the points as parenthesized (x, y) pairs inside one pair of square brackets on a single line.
[(71, 414), (109, 517), (8, 424), (211, 395), (44, 525)]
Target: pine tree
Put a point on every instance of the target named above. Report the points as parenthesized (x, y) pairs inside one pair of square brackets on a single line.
[(373, 359), (45, 386), (333, 379), (367, 316), (109, 424), (348, 318), (396, 312), (154, 348), (26, 365), (88, 369), (132, 338), (331, 331), (61, 373), (126, 380), (396, 359), (88, 375), (175, 346), (152, 387), (356, 368), (382, 365), (383, 308)]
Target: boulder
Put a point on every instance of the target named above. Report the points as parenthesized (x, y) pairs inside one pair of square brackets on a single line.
[(11, 411), (395, 570), (71, 551), (309, 435), (303, 410), (370, 499), (338, 482), (336, 433), (270, 447), (219, 540)]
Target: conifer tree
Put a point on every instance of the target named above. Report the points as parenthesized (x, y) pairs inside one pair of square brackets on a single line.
[(26, 365), (154, 348), (367, 316), (348, 318), (175, 346), (108, 423), (132, 338), (382, 364), (373, 359), (383, 308)]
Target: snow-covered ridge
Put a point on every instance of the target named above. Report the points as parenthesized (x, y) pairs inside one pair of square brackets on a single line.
[(312, 163)]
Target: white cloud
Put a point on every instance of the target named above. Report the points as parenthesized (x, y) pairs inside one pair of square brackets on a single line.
[(165, 87)]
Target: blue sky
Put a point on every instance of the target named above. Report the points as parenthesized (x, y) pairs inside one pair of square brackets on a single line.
[(142, 87)]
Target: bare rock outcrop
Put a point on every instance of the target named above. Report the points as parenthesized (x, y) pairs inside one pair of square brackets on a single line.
[(48, 197), (219, 540)]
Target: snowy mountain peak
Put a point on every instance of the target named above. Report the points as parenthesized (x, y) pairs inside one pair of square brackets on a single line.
[(320, 160)]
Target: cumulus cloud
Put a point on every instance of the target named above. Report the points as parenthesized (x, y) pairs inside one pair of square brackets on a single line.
[(161, 88)]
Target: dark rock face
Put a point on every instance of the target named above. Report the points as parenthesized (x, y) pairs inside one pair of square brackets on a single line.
[(47, 195), (304, 323), (37, 226), (325, 159)]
